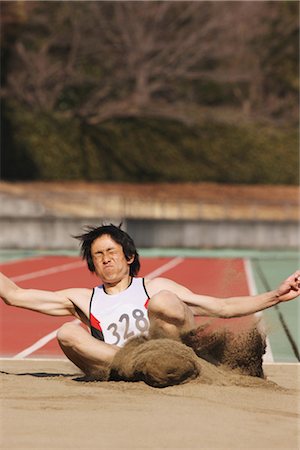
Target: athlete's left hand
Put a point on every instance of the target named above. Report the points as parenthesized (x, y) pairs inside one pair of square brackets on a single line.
[(290, 288)]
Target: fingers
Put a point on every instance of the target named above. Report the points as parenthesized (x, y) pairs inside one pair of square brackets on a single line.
[(295, 281), (297, 278), (294, 278), (297, 275), (295, 288)]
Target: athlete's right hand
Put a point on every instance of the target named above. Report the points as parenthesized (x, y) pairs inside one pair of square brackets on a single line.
[(289, 288)]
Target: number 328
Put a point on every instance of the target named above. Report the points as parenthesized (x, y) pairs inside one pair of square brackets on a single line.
[(141, 324)]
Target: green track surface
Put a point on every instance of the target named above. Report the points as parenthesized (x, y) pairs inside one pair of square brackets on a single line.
[(14, 255), (283, 320)]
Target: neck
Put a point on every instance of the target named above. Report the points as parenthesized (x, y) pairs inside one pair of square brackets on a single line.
[(118, 286)]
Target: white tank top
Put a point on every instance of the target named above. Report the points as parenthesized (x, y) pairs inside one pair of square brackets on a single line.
[(116, 318)]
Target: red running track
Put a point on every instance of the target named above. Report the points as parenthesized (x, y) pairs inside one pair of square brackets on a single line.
[(21, 329)]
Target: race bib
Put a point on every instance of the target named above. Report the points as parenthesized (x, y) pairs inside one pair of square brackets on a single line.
[(117, 329)]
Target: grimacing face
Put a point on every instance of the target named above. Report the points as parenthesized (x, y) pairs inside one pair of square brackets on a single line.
[(109, 260)]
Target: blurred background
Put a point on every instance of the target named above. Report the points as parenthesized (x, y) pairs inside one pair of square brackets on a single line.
[(180, 119)]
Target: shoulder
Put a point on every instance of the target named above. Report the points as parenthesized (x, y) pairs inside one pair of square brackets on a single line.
[(80, 297), (155, 285)]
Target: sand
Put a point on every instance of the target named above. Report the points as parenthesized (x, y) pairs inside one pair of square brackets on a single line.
[(46, 405)]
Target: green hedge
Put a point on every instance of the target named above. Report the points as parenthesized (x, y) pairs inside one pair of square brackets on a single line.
[(45, 147)]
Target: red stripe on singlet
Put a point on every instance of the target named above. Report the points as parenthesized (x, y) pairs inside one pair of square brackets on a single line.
[(95, 323), (146, 304)]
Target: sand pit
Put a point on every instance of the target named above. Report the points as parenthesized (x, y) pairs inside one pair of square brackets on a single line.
[(45, 405)]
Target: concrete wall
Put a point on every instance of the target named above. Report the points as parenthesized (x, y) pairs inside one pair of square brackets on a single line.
[(56, 233), (41, 232), (215, 234)]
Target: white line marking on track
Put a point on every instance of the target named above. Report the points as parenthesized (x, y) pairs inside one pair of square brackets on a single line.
[(50, 271), (268, 356), (39, 344), (165, 267), (44, 340)]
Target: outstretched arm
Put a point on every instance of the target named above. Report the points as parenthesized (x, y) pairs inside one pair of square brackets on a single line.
[(203, 305), (57, 303)]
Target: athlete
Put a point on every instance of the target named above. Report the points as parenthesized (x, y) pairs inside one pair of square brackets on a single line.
[(124, 305)]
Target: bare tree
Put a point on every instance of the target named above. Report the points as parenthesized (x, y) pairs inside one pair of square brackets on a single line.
[(103, 60)]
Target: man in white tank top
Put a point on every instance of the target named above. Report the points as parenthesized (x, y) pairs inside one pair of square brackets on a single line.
[(115, 318), (124, 306)]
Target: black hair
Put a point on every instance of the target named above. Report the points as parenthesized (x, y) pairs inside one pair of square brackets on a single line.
[(117, 235)]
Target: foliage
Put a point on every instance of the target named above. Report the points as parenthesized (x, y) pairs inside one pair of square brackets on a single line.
[(151, 150), (150, 91)]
